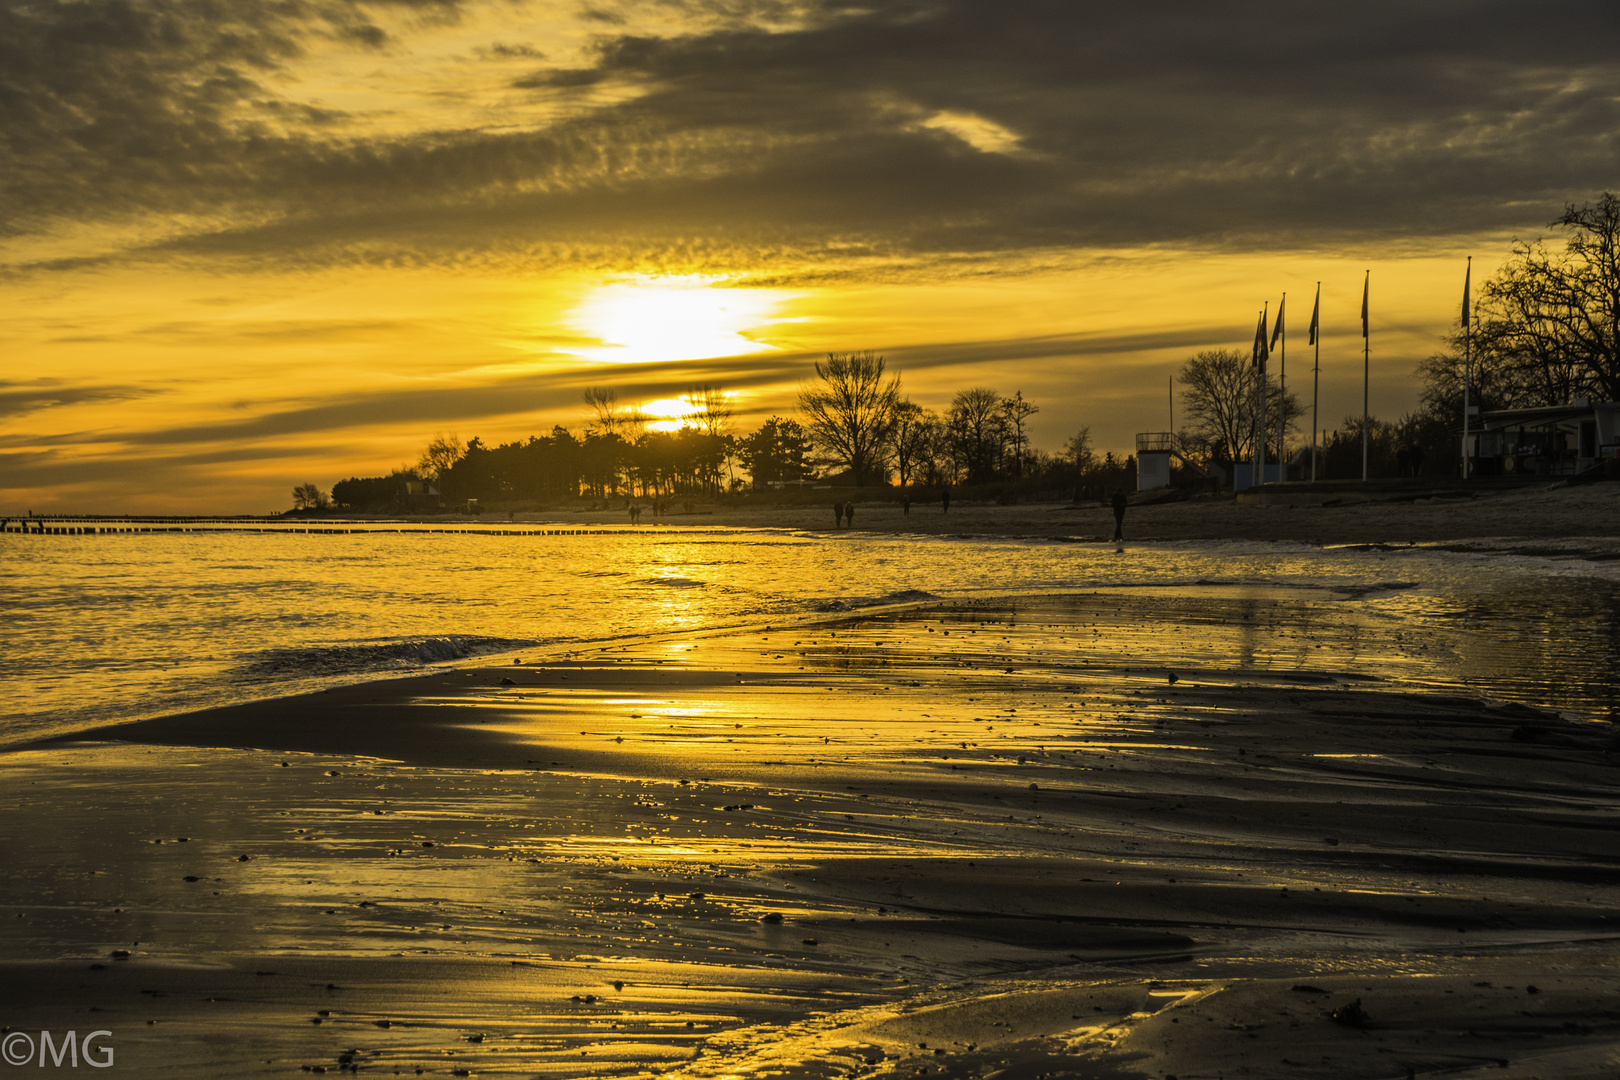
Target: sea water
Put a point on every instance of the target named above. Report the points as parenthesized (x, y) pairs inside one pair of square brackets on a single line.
[(98, 629)]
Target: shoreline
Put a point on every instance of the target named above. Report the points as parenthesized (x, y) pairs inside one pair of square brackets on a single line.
[(1574, 519), (1033, 855)]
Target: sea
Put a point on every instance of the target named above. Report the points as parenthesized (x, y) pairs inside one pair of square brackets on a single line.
[(131, 621)]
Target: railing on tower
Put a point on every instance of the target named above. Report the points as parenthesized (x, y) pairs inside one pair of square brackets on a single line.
[(1149, 442)]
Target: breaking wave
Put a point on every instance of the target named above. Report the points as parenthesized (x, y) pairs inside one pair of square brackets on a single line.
[(399, 654), (855, 603)]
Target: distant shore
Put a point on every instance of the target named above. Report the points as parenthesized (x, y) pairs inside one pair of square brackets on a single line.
[(1550, 520), (1573, 521), (1583, 519)]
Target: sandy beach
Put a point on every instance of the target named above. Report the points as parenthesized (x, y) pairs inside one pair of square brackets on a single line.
[(1052, 837), (1541, 518)]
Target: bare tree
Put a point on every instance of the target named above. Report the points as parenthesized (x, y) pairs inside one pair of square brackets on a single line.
[(851, 411), (1015, 411), (439, 455), (710, 409), (910, 439), (310, 497), (977, 432), (604, 401), (1079, 450), (1219, 402), (1553, 320)]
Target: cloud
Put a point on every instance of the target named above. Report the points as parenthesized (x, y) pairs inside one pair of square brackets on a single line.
[(21, 397), (922, 130)]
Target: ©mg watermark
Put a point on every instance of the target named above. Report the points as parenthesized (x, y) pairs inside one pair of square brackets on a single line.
[(21, 1048)]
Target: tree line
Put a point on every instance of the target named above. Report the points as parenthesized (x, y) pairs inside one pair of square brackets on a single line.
[(854, 426)]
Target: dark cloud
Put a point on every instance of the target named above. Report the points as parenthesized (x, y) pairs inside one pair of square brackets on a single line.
[(18, 398), (907, 129), (47, 470)]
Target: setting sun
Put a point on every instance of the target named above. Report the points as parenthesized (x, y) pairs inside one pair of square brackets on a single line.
[(655, 320)]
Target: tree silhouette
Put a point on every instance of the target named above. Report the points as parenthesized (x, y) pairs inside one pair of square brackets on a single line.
[(1219, 402), (310, 497), (604, 401), (1015, 411), (978, 431), (779, 451), (439, 455), (911, 439), (851, 411), (1547, 326), (710, 410)]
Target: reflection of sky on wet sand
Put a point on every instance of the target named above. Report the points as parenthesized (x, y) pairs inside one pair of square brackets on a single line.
[(974, 792)]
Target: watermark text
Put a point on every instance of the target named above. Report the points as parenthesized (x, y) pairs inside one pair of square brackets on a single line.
[(67, 1050)]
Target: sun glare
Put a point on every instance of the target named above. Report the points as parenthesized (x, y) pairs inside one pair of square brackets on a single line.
[(672, 414), (653, 320)]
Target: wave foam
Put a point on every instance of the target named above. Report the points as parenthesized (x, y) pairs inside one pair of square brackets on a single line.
[(855, 603), (372, 656)]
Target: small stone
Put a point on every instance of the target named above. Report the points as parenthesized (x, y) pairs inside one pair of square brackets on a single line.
[(1351, 1015)]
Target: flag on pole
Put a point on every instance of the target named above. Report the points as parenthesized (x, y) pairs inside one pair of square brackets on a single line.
[(1316, 314), (1278, 326), (1365, 285), (1467, 276), (1260, 351)]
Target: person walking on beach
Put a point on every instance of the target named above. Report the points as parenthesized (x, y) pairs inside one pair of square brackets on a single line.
[(1119, 514), (945, 499), (849, 515), (838, 515)]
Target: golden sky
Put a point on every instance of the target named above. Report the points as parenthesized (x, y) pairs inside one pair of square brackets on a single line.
[(257, 244)]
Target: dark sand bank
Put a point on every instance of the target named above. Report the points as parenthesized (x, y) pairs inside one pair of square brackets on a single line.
[(998, 840), (1540, 519)]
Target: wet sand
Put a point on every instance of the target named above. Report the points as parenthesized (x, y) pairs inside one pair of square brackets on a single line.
[(966, 841)]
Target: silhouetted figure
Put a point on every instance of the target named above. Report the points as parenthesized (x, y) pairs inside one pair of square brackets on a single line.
[(945, 500), (838, 515), (905, 504), (1119, 514), (849, 515), (635, 514), (1415, 454)]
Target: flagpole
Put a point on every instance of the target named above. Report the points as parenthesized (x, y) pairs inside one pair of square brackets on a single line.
[(1366, 375), (1260, 401), (1468, 360), (1282, 393), (1316, 373)]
